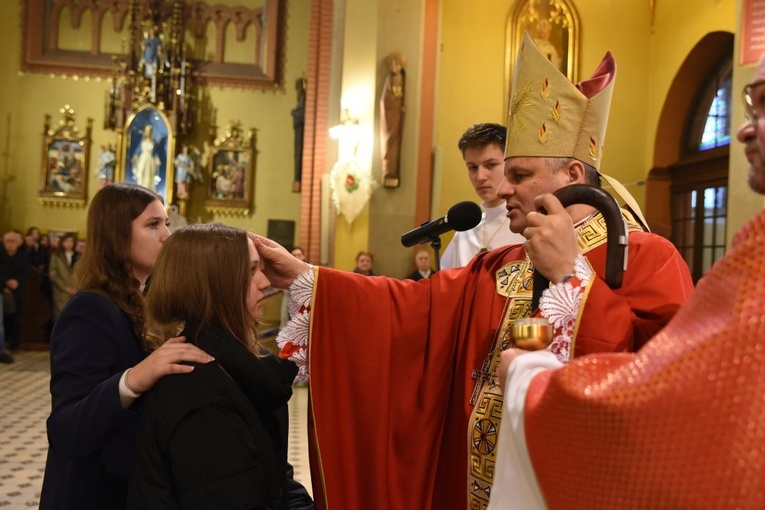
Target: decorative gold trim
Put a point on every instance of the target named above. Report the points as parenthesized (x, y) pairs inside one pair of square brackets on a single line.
[(228, 211), (320, 464), (580, 312), (66, 203)]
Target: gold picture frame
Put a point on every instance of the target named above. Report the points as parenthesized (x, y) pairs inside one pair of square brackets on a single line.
[(231, 173), (65, 161), (554, 26)]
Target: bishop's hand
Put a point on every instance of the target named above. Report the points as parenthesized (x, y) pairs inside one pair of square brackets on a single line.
[(280, 266), (550, 241)]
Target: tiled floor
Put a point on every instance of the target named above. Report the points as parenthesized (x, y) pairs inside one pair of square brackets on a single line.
[(24, 407)]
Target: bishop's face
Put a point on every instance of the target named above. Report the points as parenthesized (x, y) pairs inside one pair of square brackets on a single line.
[(752, 133), (525, 179)]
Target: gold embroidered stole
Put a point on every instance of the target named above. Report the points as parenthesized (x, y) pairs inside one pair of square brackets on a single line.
[(513, 281)]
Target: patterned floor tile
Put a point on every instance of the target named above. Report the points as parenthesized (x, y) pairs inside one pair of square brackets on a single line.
[(25, 405)]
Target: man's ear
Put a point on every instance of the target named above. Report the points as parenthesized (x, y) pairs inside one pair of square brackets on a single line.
[(575, 172)]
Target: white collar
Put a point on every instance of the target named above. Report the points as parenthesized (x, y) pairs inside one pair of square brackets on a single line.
[(494, 212)]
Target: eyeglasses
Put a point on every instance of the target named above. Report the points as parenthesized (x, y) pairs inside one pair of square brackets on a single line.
[(753, 109)]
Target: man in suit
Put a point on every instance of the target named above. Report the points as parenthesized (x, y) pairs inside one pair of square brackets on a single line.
[(422, 262)]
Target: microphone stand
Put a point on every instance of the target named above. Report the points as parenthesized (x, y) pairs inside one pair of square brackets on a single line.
[(435, 243)]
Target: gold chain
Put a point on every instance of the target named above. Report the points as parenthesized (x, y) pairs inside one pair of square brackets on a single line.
[(485, 247)]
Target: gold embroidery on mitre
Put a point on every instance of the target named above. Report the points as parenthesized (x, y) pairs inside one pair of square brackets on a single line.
[(557, 111), (543, 133), (594, 152), (545, 90), (518, 109), (571, 122)]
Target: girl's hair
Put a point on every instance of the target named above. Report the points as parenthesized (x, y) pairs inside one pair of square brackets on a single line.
[(202, 276), (105, 266)]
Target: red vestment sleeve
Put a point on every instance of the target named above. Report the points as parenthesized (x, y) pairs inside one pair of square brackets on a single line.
[(656, 283)]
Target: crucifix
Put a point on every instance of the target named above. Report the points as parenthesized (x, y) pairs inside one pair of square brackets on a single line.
[(481, 376)]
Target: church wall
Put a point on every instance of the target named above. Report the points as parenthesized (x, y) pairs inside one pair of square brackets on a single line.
[(368, 39), (677, 30), (472, 80), (392, 210), (471, 84), (26, 98)]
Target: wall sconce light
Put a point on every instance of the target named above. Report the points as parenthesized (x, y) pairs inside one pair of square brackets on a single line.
[(348, 132), (350, 179)]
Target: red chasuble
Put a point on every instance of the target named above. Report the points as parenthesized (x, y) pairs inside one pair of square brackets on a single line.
[(679, 425), (391, 362)]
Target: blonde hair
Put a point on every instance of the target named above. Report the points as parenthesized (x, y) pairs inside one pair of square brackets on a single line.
[(202, 276)]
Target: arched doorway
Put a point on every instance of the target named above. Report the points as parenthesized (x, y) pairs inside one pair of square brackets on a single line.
[(687, 187)]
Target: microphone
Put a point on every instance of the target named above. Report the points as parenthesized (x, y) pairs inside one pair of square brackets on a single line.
[(460, 217)]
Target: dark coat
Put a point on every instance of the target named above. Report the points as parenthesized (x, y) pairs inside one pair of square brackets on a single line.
[(217, 437), (14, 267), (417, 276), (91, 437)]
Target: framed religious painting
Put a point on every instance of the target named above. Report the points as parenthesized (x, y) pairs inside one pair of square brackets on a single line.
[(65, 159), (231, 173), (554, 26), (146, 146)]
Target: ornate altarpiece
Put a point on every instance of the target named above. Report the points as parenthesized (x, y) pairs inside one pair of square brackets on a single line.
[(152, 99), (43, 20)]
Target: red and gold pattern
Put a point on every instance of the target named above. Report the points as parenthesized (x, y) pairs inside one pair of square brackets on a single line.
[(514, 281)]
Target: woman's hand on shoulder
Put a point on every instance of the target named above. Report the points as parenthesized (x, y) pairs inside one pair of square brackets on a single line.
[(166, 360)]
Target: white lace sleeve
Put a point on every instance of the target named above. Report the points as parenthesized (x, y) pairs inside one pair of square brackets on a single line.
[(293, 339), (560, 305)]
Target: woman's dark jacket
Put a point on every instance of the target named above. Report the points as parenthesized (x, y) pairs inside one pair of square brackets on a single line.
[(90, 436), (217, 437)]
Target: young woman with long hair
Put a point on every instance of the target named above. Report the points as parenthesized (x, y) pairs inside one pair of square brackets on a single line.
[(216, 438), (99, 362)]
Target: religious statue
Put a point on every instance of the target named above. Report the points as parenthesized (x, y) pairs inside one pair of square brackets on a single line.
[(392, 119), (544, 29), (152, 56), (187, 168), (106, 163), (145, 163), (298, 121), (152, 49)]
